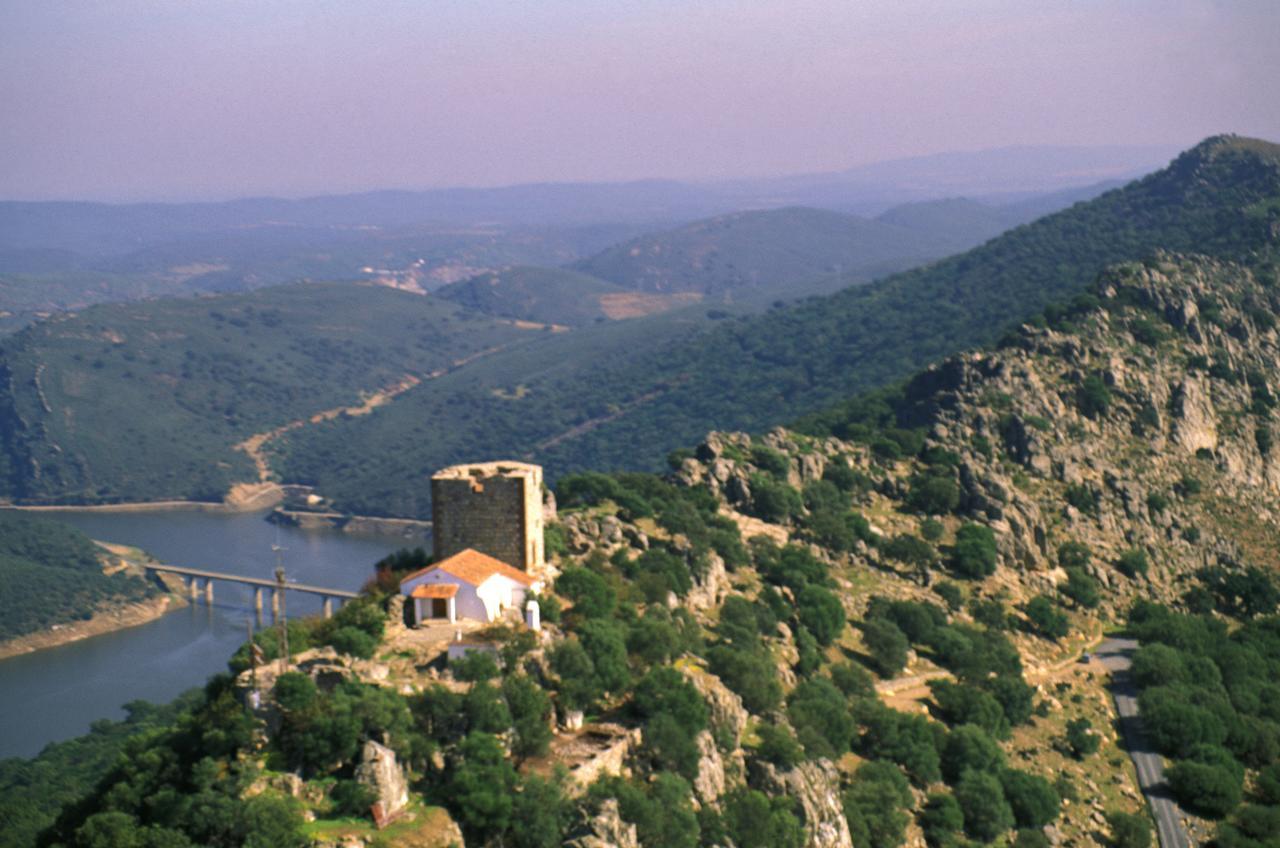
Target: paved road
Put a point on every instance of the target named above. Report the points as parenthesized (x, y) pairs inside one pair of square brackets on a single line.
[(1115, 655)]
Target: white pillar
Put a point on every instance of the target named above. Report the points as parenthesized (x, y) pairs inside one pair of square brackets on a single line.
[(453, 610), (531, 615)]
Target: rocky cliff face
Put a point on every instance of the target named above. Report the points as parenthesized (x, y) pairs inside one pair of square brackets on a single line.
[(1141, 419)]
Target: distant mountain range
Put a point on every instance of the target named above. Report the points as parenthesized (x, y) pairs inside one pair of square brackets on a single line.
[(82, 396), (1005, 174), (749, 259)]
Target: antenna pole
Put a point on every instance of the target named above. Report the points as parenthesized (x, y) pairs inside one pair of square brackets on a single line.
[(284, 621)]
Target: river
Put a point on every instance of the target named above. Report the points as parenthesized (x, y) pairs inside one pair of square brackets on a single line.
[(57, 693)]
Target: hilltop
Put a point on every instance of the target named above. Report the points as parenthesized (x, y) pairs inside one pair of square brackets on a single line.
[(752, 373), (863, 629), (768, 250)]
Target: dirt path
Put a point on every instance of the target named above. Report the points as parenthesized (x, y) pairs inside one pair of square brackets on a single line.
[(253, 446)]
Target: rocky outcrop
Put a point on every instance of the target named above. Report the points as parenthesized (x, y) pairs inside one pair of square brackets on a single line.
[(727, 713), (605, 830), (815, 786), (379, 771), (711, 781)]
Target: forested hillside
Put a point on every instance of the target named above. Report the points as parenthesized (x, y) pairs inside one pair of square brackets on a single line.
[(51, 573), (147, 401), (1221, 198), (761, 250), (866, 630)]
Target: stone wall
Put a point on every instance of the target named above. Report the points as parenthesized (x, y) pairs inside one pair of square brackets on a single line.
[(495, 508)]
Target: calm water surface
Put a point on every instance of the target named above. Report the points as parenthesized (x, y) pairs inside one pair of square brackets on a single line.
[(55, 694)]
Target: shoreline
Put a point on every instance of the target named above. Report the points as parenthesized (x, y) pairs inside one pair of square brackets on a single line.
[(131, 506), (102, 622)]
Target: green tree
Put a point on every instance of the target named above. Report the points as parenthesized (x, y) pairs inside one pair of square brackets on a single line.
[(888, 646), (1081, 739), (1032, 798), (754, 820), (986, 812), (874, 805), (820, 715), (480, 791), (974, 554), (1046, 618), (541, 813), (970, 748), (941, 819), (821, 612), (1128, 830), (1207, 790), (530, 715), (591, 594)]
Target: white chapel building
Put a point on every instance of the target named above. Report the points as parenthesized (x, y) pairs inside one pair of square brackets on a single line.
[(468, 584)]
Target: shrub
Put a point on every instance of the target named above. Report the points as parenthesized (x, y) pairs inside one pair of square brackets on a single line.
[(1032, 798), (1207, 790), (941, 819), (591, 594), (1128, 830), (933, 495), (1082, 588), (1082, 498), (1093, 398), (354, 641), (963, 704), (1081, 739), (950, 593), (771, 461), (778, 746), (852, 680), (1133, 562), (821, 613), (969, 748), (974, 555), (874, 804), (910, 550), (820, 715), (773, 501), (754, 820), (888, 645), (932, 529), (1046, 618), (986, 812)]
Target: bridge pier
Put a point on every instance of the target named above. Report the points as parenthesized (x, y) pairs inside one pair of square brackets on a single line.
[(208, 591), (191, 586), (328, 606), (257, 600), (275, 604)]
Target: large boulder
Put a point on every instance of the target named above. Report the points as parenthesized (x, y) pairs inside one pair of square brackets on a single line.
[(605, 830), (379, 771)]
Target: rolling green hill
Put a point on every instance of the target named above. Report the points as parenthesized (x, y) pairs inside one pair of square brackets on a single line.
[(1220, 198), (50, 574), (759, 250), (146, 401), (529, 293)]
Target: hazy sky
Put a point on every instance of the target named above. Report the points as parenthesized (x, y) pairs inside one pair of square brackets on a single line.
[(191, 99)]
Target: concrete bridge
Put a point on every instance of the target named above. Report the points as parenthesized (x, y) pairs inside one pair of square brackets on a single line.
[(193, 576)]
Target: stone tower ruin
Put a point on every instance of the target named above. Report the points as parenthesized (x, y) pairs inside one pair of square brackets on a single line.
[(493, 507)]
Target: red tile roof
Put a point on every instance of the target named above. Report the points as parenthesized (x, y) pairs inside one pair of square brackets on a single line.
[(473, 567)]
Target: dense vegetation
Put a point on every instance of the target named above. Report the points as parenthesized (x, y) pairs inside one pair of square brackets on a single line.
[(145, 401), (549, 295), (750, 373), (33, 791), (1209, 700), (50, 574)]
